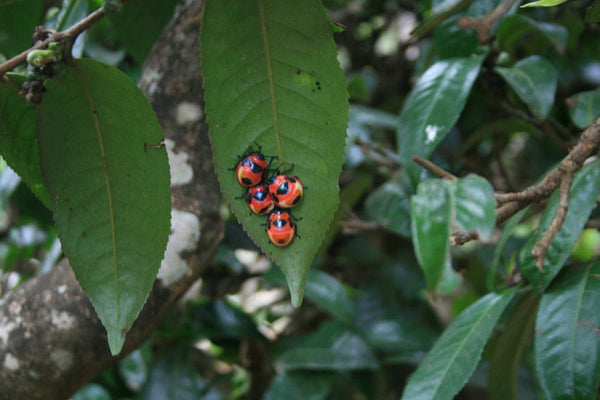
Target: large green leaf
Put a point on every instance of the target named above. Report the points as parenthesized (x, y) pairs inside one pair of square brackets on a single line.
[(431, 222), (451, 361), (18, 141), (271, 77), (518, 27), (110, 195), (432, 108), (567, 349), (586, 184), (516, 336), (18, 20), (534, 79)]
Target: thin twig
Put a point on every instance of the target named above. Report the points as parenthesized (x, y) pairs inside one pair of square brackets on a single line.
[(484, 24), (538, 252), (72, 32), (428, 165), (508, 204)]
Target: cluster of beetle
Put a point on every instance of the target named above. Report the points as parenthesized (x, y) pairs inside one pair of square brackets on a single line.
[(270, 195)]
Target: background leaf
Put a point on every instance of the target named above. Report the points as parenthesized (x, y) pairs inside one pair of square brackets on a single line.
[(586, 184), (431, 221), (534, 80), (516, 336), (300, 385), (271, 77), (18, 20), (389, 205), (18, 140), (111, 197), (567, 349), (451, 361), (586, 108), (140, 22), (432, 108)]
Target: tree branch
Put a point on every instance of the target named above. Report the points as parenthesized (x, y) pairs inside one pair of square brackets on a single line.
[(51, 341), (71, 32)]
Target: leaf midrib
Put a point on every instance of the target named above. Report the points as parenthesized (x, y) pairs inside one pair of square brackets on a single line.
[(269, 65), (99, 133)]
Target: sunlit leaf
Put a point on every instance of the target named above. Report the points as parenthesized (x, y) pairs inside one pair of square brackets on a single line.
[(543, 3), (110, 194), (271, 77)]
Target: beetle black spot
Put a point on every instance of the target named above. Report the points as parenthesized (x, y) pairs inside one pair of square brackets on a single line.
[(246, 181), (290, 179), (283, 188), (297, 199)]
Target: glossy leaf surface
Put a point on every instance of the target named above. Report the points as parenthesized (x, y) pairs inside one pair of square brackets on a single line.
[(534, 80), (586, 184), (110, 195), (271, 78), (432, 108), (475, 205), (567, 349), (451, 361), (431, 222)]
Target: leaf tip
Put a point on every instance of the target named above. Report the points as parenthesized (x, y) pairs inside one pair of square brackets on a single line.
[(115, 341)]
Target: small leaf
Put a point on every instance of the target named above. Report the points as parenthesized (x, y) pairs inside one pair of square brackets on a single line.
[(334, 346), (543, 3), (110, 195), (567, 349), (389, 205), (432, 108), (271, 77), (516, 336), (586, 108), (586, 184), (18, 141), (475, 205), (534, 80), (431, 222), (453, 358)]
